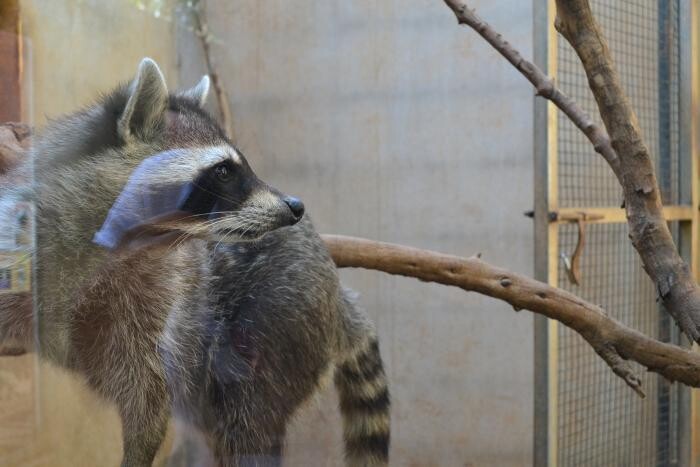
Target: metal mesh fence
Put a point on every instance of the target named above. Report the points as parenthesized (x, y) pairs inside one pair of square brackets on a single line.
[(601, 422), (643, 38)]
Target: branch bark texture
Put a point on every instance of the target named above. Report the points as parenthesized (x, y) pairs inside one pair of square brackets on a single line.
[(649, 232), (613, 341), (621, 146)]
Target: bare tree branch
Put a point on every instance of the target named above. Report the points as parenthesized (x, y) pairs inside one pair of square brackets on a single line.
[(201, 29), (625, 152), (649, 231), (614, 342), (544, 85)]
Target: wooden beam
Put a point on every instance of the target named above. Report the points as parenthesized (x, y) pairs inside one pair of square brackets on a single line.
[(612, 215), (553, 238), (10, 62), (695, 196)]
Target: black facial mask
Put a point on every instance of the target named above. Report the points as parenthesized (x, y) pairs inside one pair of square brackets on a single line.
[(202, 199)]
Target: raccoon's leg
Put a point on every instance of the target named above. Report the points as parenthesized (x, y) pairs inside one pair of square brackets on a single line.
[(119, 358), (242, 445), (364, 394), (144, 423), (271, 457)]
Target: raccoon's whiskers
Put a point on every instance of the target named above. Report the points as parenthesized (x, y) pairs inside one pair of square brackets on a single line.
[(196, 216), (230, 232), (198, 229)]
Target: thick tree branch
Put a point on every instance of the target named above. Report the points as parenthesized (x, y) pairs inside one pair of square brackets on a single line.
[(544, 85), (649, 231), (624, 150), (613, 341)]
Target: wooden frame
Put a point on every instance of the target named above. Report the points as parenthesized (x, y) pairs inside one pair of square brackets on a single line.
[(694, 33), (553, 240), (611, 215)]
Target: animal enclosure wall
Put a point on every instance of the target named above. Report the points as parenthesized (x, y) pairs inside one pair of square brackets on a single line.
[(392, 123), (389, 122)]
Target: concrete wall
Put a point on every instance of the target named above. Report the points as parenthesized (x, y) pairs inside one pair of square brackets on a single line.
[(392, 123), (74, 50)]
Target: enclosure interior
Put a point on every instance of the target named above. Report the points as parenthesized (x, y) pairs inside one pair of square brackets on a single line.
[(393, 123)]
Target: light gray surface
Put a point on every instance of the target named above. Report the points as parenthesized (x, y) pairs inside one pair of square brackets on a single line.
[(392, 123)]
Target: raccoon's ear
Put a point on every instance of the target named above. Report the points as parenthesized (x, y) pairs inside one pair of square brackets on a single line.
[(148, 100), (199, 92)]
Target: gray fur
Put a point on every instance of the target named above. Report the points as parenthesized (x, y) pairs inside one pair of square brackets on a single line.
[(145, 108), (199, 92), (232, 338)]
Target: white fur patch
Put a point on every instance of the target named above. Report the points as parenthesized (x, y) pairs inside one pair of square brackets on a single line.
[(264, 199), (185, 164), (236, 157), (211, 155)]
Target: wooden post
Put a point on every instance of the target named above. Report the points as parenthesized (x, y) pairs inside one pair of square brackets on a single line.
[(695, 201), (10, 62)]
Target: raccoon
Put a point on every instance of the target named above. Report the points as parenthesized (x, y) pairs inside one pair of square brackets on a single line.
[(176, 283)]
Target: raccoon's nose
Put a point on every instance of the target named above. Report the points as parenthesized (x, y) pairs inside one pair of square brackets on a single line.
[(296, 206)]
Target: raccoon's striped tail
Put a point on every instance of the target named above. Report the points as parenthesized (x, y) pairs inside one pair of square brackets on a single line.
[(364, 404)]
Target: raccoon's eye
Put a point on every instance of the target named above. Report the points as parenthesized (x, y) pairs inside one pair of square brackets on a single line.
[(222, 171)]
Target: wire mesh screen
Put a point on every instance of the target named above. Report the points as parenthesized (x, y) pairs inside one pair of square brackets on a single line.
[(601, 422), (643, 39)]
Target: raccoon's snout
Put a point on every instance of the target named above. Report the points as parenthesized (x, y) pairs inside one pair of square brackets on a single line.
[(296, 207)]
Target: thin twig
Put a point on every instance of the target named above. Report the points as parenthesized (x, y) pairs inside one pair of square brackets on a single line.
[(201, 28), (544, 85)]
